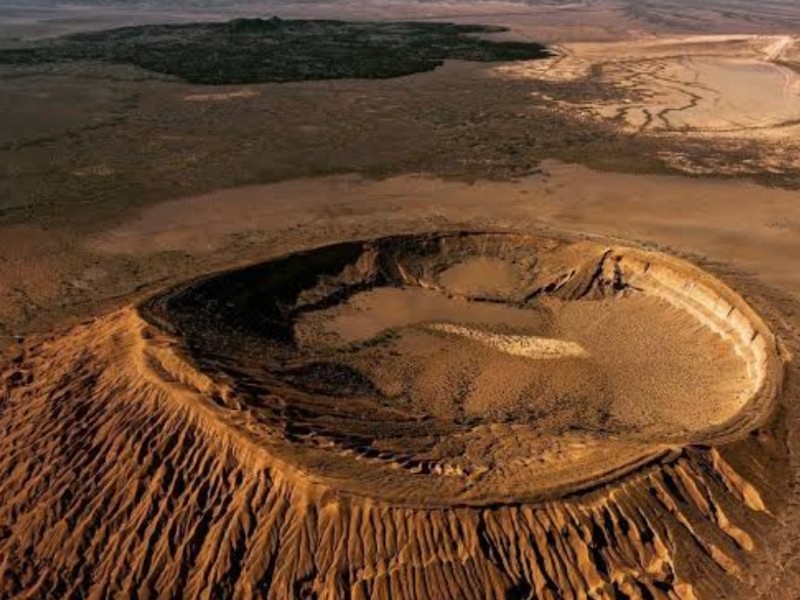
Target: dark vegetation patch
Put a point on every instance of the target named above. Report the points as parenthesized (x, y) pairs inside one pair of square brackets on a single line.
[(277, 50)]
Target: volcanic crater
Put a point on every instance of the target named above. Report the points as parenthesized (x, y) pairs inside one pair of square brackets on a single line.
[(442, 416), (471, 368)]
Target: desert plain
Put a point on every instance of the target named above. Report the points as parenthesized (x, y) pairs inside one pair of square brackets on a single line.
[(516, 319)]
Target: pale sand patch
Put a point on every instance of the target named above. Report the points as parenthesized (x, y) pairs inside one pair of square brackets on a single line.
[(222, 96), (527, 346), (95, 171)]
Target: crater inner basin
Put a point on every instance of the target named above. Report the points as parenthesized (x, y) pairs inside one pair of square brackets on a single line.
[(475, 368), (625, 366)]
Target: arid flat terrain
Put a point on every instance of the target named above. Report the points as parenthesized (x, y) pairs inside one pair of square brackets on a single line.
[(743, 89), (495, 328)]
